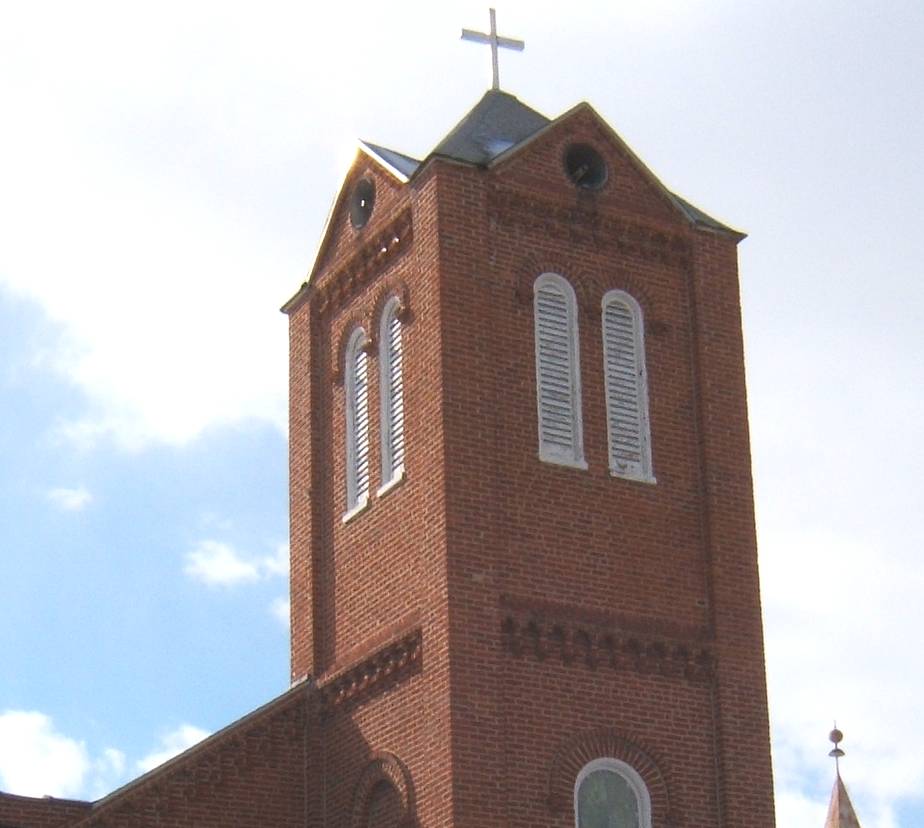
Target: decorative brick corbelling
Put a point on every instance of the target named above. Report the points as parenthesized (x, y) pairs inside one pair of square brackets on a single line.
[(583, 748), (383, 767), (337, 288), (598, 641), (356, 683), (578, 225)]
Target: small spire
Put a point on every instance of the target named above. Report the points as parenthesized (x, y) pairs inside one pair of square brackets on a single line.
[(840, 810)]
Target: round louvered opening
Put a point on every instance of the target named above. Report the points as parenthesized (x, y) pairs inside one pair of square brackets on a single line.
[(361, 202), (585, 167)]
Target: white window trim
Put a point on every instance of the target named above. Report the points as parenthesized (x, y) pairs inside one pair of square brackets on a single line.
[(627, 772), (360, 506), (396, 478), (546, 454), (390, 473), (646, 475), (355, 501)]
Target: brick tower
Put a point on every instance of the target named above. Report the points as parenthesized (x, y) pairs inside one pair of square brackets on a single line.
[(524, 572)]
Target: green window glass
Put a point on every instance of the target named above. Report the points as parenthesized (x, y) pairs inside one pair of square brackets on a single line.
[(605, 799)]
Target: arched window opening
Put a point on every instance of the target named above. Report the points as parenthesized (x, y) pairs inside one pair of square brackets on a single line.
[(608, 793), (391, 393), (628, 428), (384, 810), (357, 422), (558, 387)]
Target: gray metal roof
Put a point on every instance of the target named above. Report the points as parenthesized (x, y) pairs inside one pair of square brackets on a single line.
[(697, 216), (404, 164), (497, 122)]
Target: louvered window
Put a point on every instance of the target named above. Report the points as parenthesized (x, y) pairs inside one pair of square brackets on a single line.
[(558, 388), (626, 387), (391, 393), (357, 422)]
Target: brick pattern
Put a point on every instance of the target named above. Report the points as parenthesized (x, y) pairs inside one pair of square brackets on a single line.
[(47, 812)]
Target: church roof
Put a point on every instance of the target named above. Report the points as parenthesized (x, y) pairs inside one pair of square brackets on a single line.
[(497, 123), (840, 812)]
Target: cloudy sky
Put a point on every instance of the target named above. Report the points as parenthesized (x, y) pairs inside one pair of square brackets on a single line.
[(165, 171)]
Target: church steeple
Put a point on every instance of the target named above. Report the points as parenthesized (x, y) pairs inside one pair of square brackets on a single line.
[(524, 567)]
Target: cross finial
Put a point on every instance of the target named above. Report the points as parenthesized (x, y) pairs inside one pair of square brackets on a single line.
[(495, 43)]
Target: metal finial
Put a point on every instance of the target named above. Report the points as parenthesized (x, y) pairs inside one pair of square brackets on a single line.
[(836, 737), (495, 42)]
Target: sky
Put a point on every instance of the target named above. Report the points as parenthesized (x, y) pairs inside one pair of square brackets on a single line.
[(165, 173)]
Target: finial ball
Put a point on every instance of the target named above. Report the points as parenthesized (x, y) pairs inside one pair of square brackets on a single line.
[(836, 736)]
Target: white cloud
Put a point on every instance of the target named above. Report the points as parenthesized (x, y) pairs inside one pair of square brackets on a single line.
[(218, 564), (38, 760), (70, 500), (281, 609), (172, 744), (277, 564)]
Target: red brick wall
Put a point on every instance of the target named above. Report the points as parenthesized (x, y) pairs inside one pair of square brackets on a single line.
[(555, 605), (353, 582), (250, 775), (641, 561), (27, 812)]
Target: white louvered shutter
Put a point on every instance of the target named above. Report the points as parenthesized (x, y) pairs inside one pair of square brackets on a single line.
[(392, 396), (556, 372), (357, 425), (626, 387)]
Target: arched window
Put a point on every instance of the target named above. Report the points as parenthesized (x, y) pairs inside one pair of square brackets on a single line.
[(357, 422), (627, 424), (391, 393), (608, 793), (558, 385)]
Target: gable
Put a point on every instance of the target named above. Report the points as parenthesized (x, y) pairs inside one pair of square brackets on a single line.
[(340, 235), (629, 186)]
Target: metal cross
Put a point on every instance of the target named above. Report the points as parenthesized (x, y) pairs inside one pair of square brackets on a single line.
[(495, 42)]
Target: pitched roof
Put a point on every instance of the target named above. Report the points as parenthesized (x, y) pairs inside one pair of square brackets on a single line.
[(840, 812), (497, 122), (500, 122), (398, 161)]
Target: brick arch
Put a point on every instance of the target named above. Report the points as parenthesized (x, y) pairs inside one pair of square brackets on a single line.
[(574, 754), (391, 289), (383, 767), (584, 284), (528, 271)]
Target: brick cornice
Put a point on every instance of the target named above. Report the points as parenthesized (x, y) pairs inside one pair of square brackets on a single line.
[(573, 635), (339, 285), (577, 224), (369, 673)]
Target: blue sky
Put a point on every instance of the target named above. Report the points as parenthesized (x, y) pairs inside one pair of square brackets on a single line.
[(165, 172)]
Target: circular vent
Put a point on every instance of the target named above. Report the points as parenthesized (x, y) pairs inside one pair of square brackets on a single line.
[(585, 167), (361, 202)]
